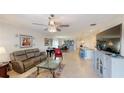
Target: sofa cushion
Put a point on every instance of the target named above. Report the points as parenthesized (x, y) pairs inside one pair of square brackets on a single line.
[(29, 51), (37, 54), (36, 50), (30, 55), (18, 53), (36, 59), (28, 63), (21, 58)]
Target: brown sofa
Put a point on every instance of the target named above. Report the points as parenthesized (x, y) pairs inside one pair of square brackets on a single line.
[(26, 59)]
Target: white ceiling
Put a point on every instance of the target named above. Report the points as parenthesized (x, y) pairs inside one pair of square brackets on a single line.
[(79, 23)]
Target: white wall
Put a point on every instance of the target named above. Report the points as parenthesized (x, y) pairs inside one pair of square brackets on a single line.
[(88, 41), (10, 40)]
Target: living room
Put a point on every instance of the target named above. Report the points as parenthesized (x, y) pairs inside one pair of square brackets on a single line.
[(30, 33)]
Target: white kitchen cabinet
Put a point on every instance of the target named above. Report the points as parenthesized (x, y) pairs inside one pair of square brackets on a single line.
[(107, 66), (98, 63), (118, 67)]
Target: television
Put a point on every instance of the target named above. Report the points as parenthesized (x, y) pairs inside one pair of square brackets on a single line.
[(109, 40)]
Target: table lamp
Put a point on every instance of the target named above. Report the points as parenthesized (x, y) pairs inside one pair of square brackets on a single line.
[(3, 55)]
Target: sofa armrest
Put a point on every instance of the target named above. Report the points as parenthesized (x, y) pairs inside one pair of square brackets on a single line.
[(18, 66), (43, 56), (42, 53)]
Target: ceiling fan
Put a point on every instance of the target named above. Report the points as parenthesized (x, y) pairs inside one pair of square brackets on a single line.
[(53, 25)]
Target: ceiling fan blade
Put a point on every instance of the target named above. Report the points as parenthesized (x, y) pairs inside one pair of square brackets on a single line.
[(39, 24), (58, 29), (64, 25)]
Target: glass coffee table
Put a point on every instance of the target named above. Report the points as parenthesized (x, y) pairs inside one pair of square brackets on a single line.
[(50, 65)]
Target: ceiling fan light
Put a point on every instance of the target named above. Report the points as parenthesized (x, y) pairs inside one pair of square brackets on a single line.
[(52, 29), (52, 22)]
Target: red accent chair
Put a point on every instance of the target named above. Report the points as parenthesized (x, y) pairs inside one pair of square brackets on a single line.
[(58, 53)]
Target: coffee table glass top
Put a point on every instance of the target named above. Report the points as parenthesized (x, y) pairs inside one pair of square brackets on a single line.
[(51, 64)]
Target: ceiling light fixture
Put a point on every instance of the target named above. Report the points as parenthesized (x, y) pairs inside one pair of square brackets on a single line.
[(52, 25), (52, 29), (92, 27)]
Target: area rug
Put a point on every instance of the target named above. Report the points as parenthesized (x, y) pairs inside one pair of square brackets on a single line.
[(47, 73)]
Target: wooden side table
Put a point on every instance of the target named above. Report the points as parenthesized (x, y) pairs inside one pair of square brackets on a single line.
[(3, 69)]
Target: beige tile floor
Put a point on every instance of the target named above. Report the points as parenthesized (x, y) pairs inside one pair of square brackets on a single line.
[(75, 67)]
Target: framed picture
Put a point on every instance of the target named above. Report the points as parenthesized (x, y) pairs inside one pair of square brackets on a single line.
[(26, 41), (47, 41)]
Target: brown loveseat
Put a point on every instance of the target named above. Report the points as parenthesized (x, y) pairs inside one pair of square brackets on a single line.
[(26, 59)]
